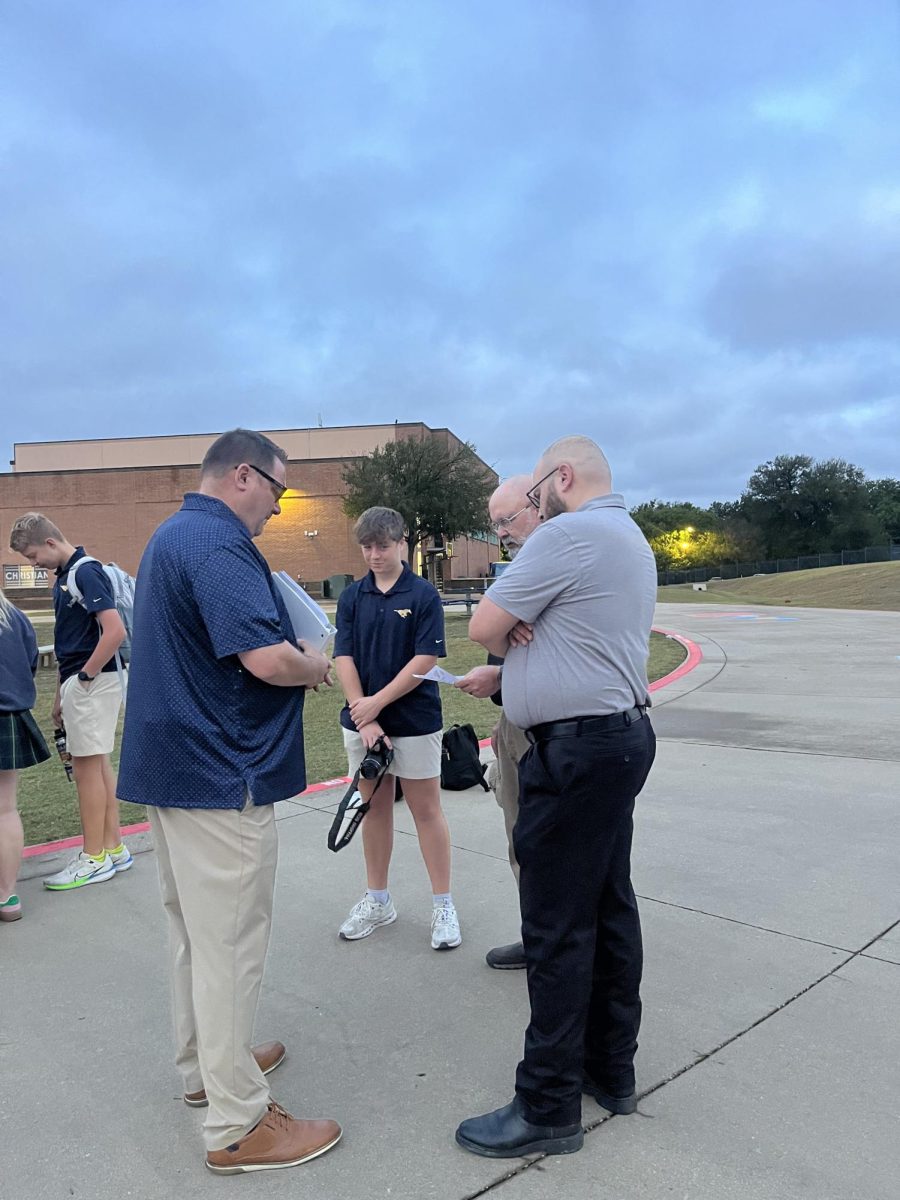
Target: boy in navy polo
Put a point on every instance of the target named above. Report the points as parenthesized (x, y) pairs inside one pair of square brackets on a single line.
[(390, 629), (86, 637)]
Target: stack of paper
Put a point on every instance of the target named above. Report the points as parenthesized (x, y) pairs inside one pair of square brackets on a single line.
[(439, 675), (310, 622)]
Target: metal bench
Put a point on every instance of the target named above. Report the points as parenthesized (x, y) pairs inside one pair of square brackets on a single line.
[(469, 599)]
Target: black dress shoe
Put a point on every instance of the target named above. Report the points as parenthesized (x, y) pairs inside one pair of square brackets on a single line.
[(505, 1133), (621, 1106), (506, 958)]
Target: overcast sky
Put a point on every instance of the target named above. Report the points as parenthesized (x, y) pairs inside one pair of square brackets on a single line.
[(673, 225)]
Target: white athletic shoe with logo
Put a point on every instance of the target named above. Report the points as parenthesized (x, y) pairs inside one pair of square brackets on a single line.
[(80, 871), (365, 917), (123, 861), (445, 934)]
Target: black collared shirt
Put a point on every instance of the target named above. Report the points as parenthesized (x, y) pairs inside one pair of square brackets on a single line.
[(77, 631), (382, 632)]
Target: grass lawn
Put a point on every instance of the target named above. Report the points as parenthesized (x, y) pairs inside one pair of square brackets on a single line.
[(49, 804), (872, 586)]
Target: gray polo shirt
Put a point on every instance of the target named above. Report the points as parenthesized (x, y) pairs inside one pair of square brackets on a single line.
[(586, 580)]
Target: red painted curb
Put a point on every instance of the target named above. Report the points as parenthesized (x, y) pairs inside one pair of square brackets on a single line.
[(694, 657), (68, 843)]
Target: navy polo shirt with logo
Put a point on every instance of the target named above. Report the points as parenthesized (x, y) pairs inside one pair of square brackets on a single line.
[(200, 730), (382, 632), (77, 632)]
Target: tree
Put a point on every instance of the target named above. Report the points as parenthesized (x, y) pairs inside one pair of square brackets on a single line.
[(806, 507), (884, 502), (440, 489), (655, 517), (683, 549), (744, 540)]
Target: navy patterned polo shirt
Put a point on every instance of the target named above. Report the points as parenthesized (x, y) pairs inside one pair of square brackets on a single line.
[(381, 632), (199, 729)]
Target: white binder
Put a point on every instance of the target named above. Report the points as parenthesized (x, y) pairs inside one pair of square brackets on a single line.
[(310, 622)]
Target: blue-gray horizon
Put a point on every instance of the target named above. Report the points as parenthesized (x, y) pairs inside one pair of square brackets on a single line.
[(675, 228)]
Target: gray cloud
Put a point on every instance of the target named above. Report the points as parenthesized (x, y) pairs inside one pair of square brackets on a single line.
[(786, 293), (671, 227)]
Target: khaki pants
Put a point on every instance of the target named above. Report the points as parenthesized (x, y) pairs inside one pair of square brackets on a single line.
[(217, 878), (504, 778)]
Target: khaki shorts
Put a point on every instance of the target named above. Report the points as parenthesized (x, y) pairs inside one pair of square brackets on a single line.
[(90, 713), (414, 757)]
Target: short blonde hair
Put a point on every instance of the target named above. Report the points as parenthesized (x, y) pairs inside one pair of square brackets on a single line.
[(32, 529)]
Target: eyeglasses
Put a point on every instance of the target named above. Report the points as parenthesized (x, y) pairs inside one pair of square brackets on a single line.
[(278, 489), (505, 522), (534, 495)]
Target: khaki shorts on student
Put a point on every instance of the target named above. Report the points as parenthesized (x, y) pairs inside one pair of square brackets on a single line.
[(414, 757), (90, 713)]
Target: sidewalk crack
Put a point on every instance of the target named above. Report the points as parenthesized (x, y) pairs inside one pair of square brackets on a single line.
[(590, 1127), (747, 924)]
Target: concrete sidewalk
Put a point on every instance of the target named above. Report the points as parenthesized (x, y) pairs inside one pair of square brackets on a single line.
[(766, 853)]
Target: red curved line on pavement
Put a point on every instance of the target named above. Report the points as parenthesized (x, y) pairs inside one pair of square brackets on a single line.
[(694, 657)]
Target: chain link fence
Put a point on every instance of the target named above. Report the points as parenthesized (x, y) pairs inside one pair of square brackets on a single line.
[(775, 566)]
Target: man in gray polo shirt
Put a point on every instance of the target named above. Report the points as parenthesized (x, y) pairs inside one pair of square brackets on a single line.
[(572, 615)]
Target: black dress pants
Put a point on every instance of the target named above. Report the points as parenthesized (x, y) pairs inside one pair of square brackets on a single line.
[(580, 923)]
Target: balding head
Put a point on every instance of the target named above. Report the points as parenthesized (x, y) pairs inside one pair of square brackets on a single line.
[(512, 515), (574, 470)]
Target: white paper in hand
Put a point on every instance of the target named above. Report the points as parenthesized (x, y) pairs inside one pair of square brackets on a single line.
[(310, 622), (439, 675)]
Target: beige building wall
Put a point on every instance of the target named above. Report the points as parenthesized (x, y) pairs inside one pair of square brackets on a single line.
[(113, 510), (341, 442)]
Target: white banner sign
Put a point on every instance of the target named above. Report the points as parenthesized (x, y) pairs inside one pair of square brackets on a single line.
[(24, 575)]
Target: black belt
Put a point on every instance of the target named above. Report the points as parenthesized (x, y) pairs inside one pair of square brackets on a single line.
[(576, 726)]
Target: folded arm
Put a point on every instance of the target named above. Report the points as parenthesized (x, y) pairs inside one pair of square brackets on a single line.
[(491, 626)]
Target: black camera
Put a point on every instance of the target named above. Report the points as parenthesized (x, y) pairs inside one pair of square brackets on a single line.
[(376, 760)]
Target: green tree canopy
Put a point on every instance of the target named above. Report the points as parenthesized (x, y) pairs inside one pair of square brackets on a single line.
[(441, 489), (884, 501), (657, 517), (804, 507)]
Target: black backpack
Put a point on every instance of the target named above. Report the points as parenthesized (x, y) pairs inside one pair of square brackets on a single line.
[(461, 767)]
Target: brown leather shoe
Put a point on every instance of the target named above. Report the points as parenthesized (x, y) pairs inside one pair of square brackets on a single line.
[(279, 1140), (268, 1056)]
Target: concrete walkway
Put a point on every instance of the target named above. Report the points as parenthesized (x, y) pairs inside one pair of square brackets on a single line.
[(768, 855)]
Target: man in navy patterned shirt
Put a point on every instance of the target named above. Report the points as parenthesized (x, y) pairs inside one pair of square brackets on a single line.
[(213, 736)]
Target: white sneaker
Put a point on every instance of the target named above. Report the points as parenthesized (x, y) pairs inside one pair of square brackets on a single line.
[(365, 917), (123, 860), (80, 871), (445, 933)]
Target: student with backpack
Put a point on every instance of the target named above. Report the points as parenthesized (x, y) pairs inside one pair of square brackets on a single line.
[(390, 630), (88, 636)]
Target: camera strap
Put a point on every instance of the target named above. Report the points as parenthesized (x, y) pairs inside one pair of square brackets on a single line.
[(350, 812)]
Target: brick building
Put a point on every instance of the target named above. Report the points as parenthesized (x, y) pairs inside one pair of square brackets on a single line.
[(111, 494)]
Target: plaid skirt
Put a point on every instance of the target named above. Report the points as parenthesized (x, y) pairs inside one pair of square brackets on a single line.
[(21, 742)]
